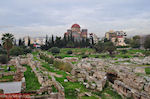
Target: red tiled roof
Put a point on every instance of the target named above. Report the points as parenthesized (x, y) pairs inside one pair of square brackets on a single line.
[(75, 26)]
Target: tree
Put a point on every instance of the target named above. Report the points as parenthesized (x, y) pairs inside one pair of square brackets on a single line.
[(147, 43), (110, 47), (7, 41), (135, 42), (92, 40), (21, 42), (29, 41), (58, 42), (99, 47), (15, 51), (127, 40), (55, 50), (70, 44), (15, 44), (46, 40), (52, 41)]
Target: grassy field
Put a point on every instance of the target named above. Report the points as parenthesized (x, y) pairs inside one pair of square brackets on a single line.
[(12, 68), (31, 80), (147, 70), (80, 52), (8, 78)]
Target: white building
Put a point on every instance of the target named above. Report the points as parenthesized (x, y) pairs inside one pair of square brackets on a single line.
[(94, 37), (36, 40)]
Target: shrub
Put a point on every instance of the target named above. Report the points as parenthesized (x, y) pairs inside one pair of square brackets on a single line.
[(58, 57), (55, 50), (84, 56), (47, 59), (3, 59), (96, 56), (146, 53), (2, 51), (124, 51), (69, 52), (63, 66), (27, 50), (103, 56), (147, 70), (125, 56), (15, 51)]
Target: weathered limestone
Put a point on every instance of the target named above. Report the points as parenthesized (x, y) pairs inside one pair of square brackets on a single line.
[(122, 89), (139, 70)]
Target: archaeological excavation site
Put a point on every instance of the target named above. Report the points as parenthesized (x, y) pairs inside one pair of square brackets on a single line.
[(41, 75)]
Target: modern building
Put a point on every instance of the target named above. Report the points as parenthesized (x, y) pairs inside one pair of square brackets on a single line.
[(76, 32), (37, 40), (117, 37)]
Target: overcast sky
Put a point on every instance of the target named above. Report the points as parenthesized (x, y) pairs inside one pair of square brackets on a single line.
[(40, 17)]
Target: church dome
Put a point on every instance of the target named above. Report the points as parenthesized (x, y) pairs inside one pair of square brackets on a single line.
[(75, 26)]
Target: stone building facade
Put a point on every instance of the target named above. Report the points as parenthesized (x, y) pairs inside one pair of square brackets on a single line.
[(76, 32)]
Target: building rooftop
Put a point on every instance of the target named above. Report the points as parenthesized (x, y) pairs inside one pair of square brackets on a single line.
[(11, 87)]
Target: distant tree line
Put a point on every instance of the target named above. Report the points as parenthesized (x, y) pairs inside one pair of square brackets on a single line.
[(65, 42)]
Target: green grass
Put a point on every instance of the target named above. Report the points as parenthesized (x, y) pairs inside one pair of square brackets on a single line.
[(54, 89), (9, 78), (77, 52), (108, 93), (91, 97), (70, 92), (112, 94), (147, 70), (31, 80), (12, 68)]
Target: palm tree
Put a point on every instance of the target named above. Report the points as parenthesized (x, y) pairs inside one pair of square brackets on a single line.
[(7, 41)]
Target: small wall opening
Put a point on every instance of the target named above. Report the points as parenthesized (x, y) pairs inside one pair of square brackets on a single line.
[(111, 76)]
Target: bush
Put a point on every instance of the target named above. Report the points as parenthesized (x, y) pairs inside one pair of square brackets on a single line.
[(103, 56), (96, 56), (15, 51), (27, 50), (55, 50), (47, 59), (69, 52), (62, 66), (124, 51), (2, 51), (58, 57), (3, 59), (146, 53), (84, 56), (125, 56), (147, 70)]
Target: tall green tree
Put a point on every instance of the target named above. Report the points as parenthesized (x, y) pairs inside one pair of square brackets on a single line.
[(53, 41), (29, 41), (110, 47), (7, 41), (21, 42), (46, 40), (147, 43), (99, 47), (135, 42)]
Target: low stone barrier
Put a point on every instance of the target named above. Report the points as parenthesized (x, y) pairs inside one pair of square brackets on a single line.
[(58, 86), (7, 74), (126, 91)]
